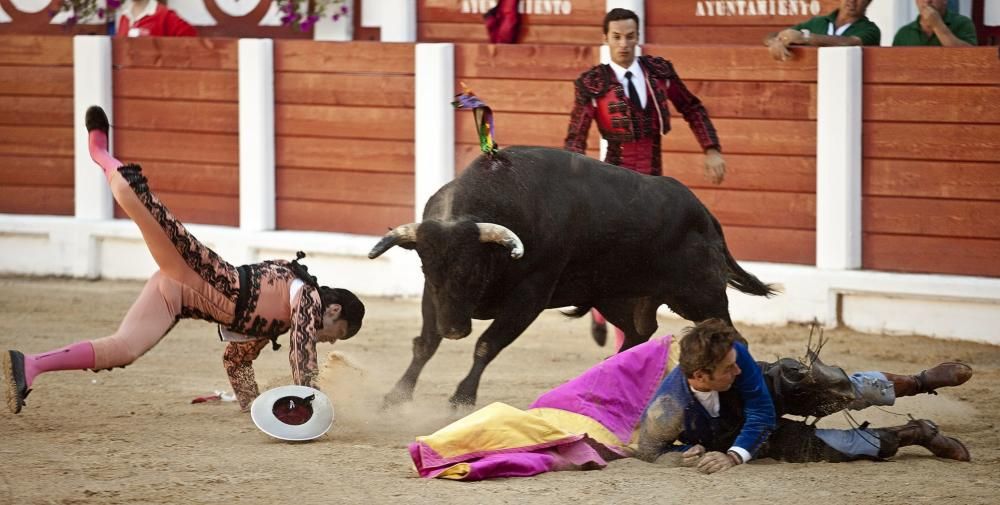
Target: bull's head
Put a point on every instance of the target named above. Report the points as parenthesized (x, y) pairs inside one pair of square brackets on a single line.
[(457, 266)]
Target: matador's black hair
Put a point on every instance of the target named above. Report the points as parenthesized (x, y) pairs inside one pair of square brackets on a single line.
[(351, 308)]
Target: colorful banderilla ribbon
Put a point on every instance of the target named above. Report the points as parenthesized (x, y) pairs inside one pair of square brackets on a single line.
[(483, 116)]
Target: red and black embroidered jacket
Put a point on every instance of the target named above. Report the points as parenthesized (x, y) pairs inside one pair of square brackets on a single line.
[(634, 135)]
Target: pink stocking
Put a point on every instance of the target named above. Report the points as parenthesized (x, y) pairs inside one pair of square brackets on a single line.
[(78, 356), (98, 144)]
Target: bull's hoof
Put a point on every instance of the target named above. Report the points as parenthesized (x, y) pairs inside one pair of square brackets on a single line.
[(396, 397), (462, 402)]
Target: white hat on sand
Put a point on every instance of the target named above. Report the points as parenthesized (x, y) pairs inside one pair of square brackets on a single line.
[(294, 413)]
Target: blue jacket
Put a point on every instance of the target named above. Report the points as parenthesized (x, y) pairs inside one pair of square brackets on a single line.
[(746, 414)]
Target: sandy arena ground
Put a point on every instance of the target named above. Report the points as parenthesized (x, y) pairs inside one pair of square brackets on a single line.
[(132, 436)]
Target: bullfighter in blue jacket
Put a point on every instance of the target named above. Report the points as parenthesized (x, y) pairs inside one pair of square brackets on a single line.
[(720, 408)]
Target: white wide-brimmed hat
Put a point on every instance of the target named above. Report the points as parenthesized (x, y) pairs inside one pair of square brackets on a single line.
[(294, 413)]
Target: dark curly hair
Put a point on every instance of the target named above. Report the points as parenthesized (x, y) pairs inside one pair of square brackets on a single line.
[(705, 345), (351, 308)]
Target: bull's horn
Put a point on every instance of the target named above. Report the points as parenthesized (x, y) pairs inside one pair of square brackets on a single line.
[(403, 234), (489, 232)]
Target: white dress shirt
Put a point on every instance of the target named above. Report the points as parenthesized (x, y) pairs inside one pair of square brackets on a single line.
[(638, 79)]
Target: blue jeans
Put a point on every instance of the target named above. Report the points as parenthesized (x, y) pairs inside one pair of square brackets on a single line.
[(870, 388)]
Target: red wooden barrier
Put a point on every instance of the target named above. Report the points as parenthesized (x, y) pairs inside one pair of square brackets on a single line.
[(176, 114), (542, 21), (764, 111), (36, 125), (931, 194), (344, 125), (679, 22)]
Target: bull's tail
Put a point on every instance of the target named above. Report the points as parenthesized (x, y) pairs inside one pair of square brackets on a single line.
[(737, 277)]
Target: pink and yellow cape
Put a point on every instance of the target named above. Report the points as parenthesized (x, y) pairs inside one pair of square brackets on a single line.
[(580, 425)]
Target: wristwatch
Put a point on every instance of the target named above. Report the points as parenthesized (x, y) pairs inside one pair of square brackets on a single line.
[(806, 34)]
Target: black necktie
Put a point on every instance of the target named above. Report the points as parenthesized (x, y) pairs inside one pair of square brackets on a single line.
[(632, 93)]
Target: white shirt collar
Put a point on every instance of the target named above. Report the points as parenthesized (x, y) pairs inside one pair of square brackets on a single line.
[(709, 400), (126, 10), (830, 30), (638, 78)]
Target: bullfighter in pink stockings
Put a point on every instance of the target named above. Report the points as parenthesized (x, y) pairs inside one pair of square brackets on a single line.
[(252, 304)]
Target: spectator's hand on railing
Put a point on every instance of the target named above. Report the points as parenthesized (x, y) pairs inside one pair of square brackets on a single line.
[(789, 36), (778, 50)]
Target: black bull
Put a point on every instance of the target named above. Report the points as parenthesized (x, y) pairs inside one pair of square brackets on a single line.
[(531, 228)]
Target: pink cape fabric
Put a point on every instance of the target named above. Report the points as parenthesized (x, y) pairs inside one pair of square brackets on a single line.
[(614, 393)]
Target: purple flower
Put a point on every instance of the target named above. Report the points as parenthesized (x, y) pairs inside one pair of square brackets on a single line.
[(100, 13), (336, 17), (114, 4), (343, 9), (71, 21)]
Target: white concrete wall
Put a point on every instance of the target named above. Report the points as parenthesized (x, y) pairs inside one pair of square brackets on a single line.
[(49, 245)]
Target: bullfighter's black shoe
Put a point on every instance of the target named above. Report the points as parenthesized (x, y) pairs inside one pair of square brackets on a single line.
[(96, 119), (17, 387)]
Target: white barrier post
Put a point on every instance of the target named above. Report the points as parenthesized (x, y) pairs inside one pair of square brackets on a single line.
[(838, 158), (434, 125), (91, 86), (256, 82), (399, 20)]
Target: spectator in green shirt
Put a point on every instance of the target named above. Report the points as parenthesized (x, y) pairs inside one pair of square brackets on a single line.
[(846, 26), (937, 26)]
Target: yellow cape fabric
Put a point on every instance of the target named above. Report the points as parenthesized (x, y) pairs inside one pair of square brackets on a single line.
[(499, 427)]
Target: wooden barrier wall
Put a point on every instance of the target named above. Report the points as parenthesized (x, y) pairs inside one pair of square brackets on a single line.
[(931, 194), (679, 22), (36, 125), (545, 21), (674, 22), (529, 88), (765, 114), (344, 126), (176, 114), (764, 111)]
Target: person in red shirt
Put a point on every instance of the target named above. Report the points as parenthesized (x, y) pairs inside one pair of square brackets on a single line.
[(149, 18)]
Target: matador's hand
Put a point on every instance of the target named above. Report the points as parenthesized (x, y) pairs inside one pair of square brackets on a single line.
[(715, 166), (691, 456), (715, 462)]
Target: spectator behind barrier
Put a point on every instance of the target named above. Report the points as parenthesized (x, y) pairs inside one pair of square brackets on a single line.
[(936, 25), (149, 18), (846, 26)]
